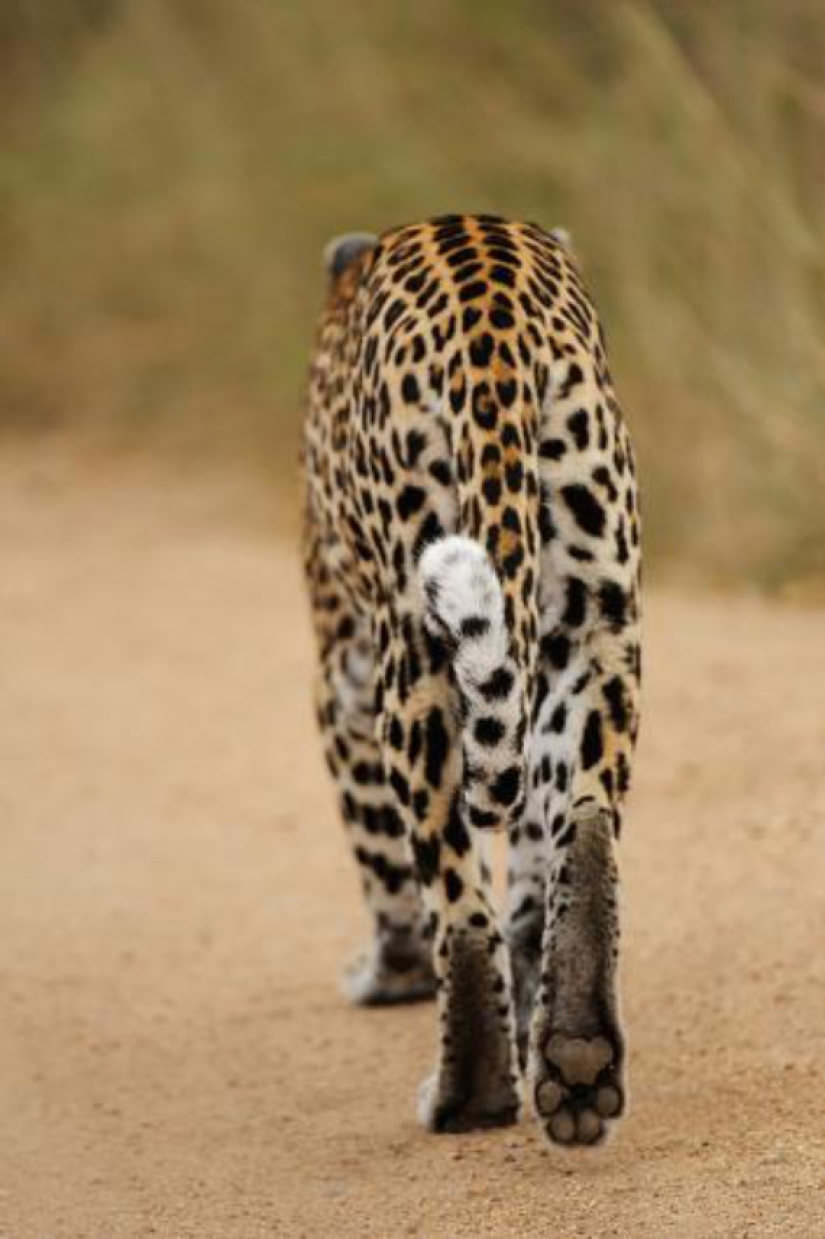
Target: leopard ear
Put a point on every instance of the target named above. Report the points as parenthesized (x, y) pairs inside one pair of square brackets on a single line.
[(341, 251), (563, 237)]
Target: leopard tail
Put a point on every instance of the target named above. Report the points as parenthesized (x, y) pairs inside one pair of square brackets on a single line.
[(480, 588)]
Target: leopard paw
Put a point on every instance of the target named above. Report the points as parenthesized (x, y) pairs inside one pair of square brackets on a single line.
[(477, 1081), (578, 1090), (381, 977), (444, 1108)]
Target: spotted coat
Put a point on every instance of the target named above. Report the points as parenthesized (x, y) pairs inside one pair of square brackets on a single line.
[(472, 555)]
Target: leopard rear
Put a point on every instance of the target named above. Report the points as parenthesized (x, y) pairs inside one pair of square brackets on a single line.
[(472, 554)]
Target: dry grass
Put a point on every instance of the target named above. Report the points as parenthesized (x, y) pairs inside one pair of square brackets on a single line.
[(170, 172)]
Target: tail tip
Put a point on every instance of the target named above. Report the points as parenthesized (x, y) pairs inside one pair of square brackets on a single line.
[(459, 585)]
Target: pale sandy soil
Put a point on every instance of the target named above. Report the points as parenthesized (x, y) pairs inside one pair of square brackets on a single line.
[(176, 899)]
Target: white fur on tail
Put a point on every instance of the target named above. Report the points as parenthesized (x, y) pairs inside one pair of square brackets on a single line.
[(464, 604)]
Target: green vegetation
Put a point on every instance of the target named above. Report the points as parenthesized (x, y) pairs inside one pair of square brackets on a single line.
[(170, 170)]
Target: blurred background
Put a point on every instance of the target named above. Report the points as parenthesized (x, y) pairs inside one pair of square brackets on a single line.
[(170, 171)]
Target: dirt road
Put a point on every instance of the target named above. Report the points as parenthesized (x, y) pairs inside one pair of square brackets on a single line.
[(176, 899)]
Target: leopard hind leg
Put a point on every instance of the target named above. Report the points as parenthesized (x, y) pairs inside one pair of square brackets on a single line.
[(583, 744), (476, 1079)]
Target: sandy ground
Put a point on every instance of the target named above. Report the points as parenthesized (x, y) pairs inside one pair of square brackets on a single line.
[(176, 899)]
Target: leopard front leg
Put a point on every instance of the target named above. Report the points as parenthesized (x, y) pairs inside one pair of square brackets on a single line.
[(476, 1079), (396, 966)]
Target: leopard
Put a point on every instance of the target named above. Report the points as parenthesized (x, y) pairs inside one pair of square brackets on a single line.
[(471, 545)]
